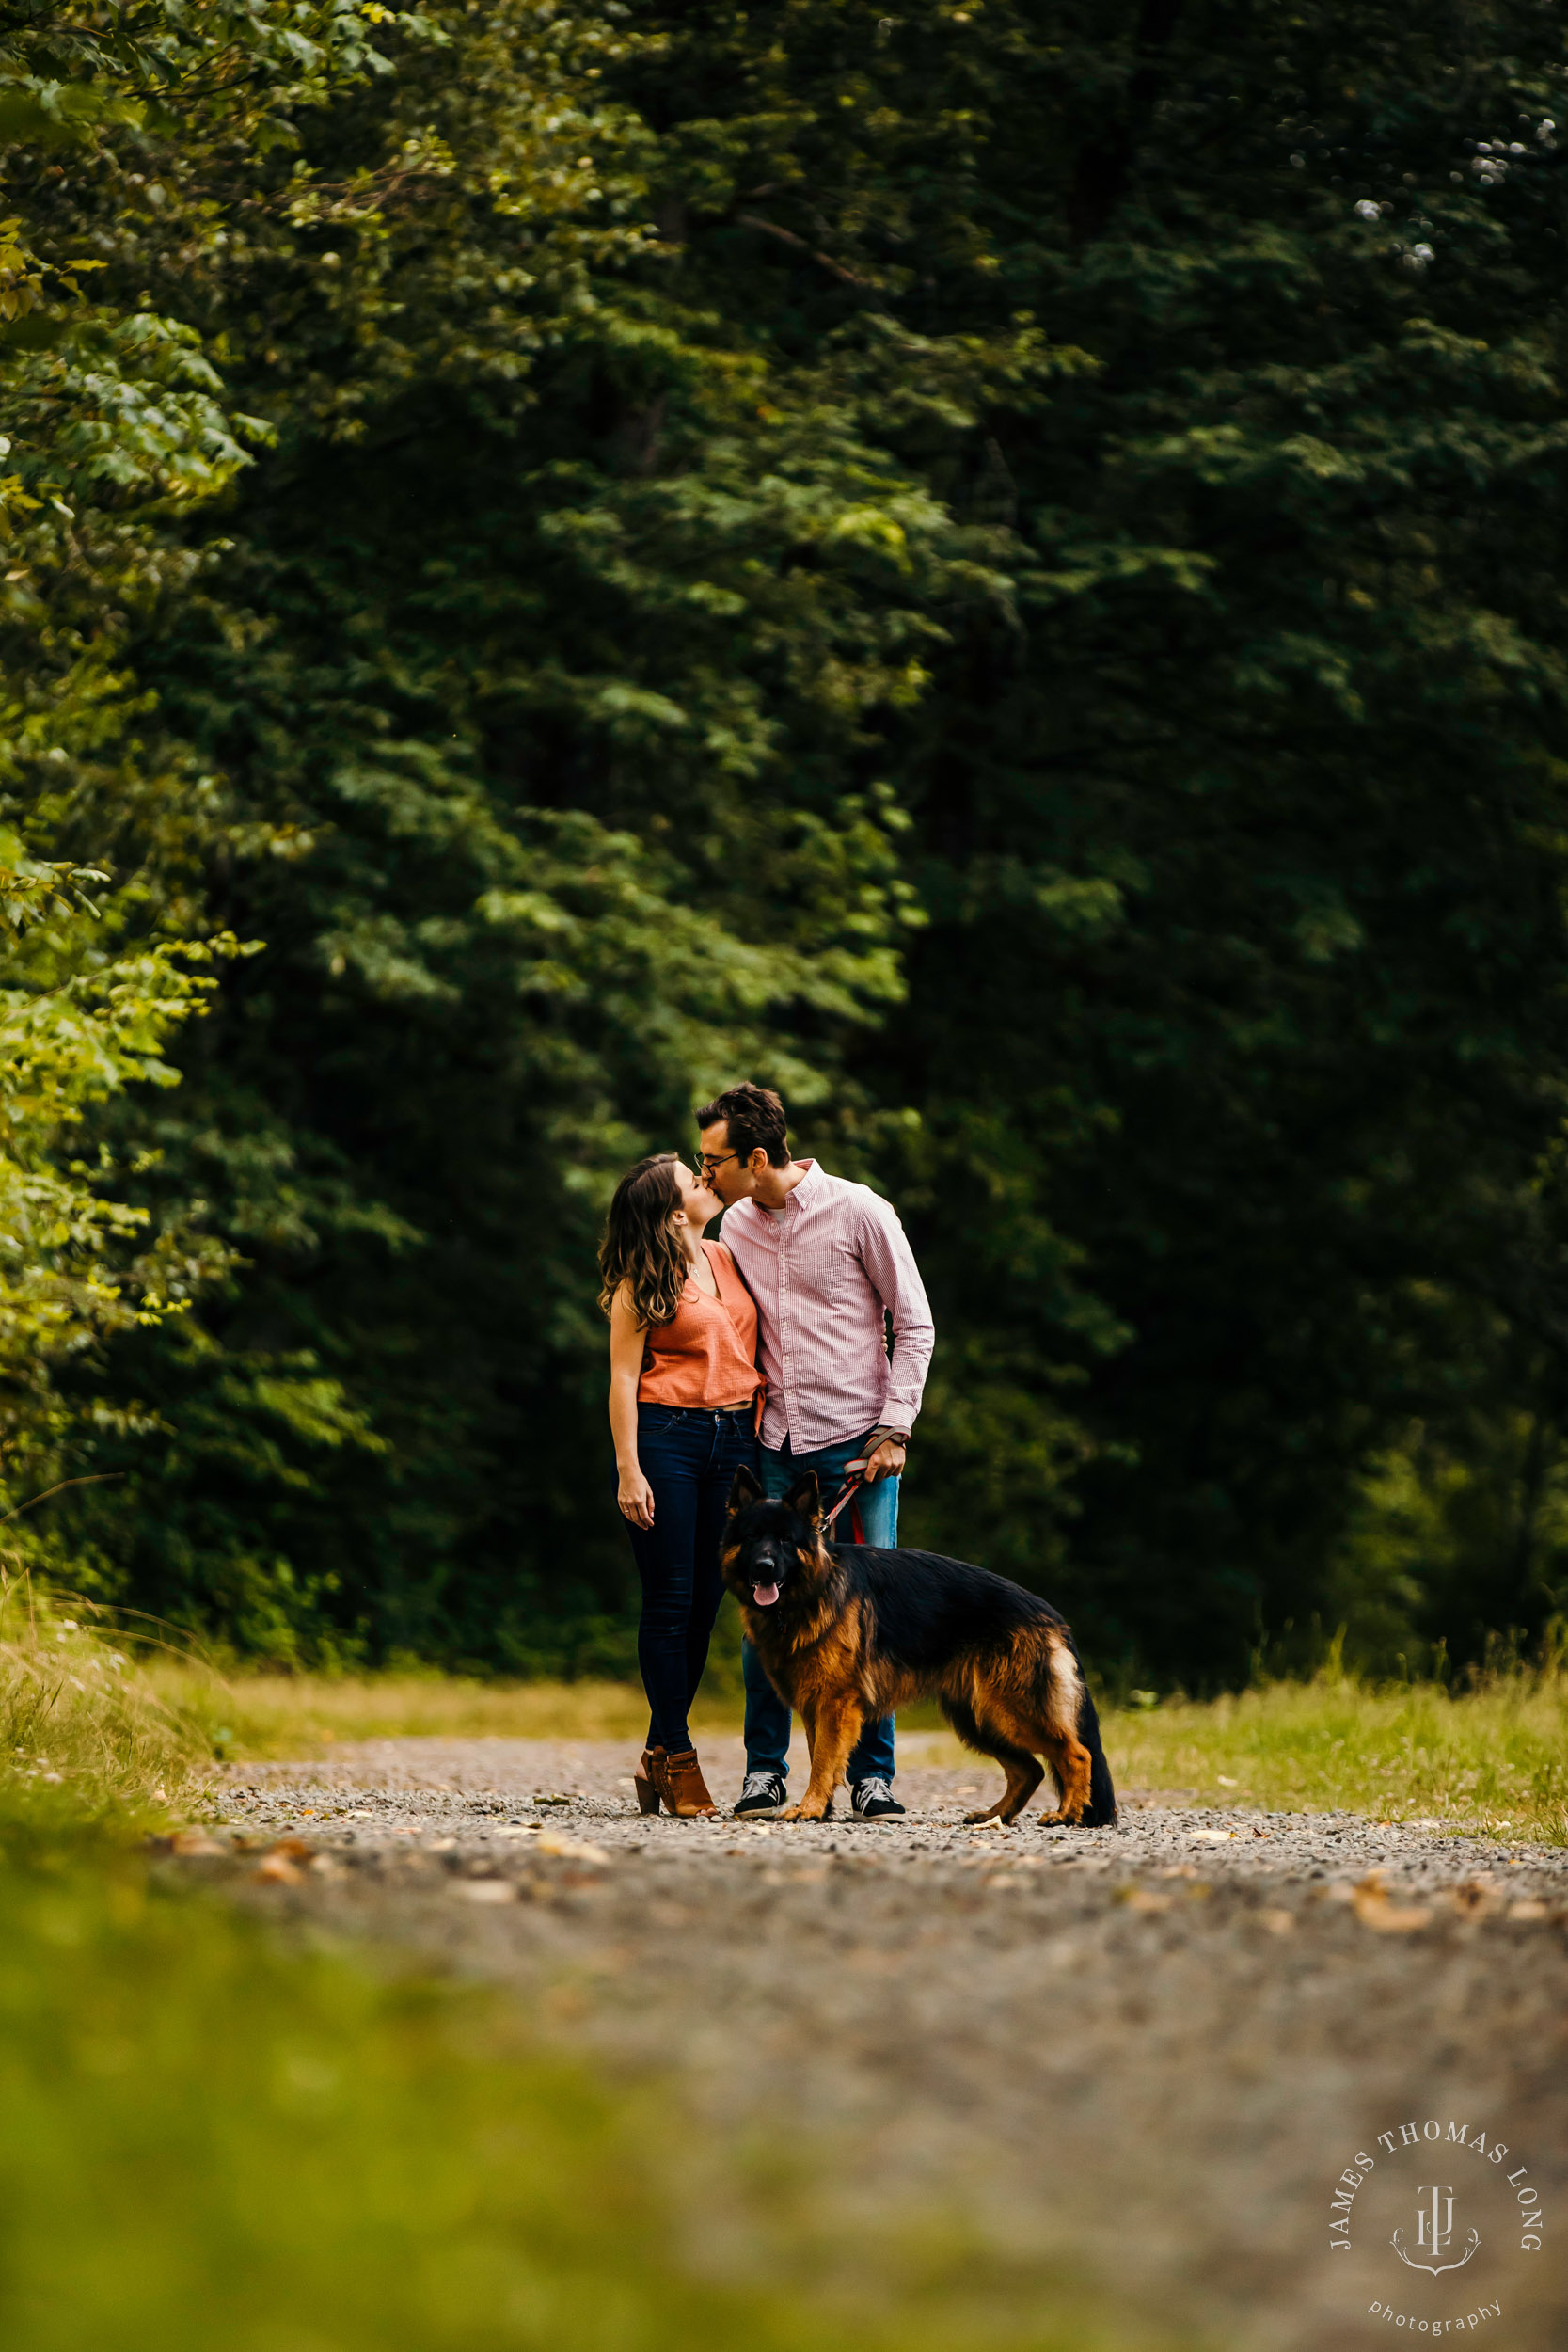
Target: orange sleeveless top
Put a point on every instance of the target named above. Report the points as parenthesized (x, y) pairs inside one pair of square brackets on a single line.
[(707, 1355)]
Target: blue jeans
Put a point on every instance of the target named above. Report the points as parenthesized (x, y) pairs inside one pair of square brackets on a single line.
[(688, 1458), (766, 1716)]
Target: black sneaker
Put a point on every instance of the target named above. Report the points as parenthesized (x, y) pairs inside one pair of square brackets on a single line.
[(874, 1799), (764, 1792)]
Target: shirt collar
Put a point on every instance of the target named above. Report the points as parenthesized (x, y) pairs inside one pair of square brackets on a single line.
[(810, 1184)]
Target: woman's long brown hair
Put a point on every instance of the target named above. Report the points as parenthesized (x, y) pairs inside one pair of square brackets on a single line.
[(640, 1247)]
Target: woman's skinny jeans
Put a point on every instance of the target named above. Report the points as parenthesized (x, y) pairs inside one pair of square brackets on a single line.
[(688, 1457)]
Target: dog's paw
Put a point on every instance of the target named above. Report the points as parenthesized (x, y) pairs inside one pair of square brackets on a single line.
[(1060, 1819), (804, 1811)]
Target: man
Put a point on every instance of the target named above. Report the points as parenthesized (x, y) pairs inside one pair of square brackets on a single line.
[(829, 1268)]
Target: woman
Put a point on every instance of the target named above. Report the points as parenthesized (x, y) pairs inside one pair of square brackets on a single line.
[(683, 1390)]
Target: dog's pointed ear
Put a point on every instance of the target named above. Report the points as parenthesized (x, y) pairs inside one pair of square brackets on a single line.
[(744, 1487), (805, 1497)]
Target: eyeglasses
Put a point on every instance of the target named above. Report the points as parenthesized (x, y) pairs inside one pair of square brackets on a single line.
[(709, 1161)]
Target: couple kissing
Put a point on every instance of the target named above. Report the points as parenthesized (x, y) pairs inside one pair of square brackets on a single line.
[(769, 1353)]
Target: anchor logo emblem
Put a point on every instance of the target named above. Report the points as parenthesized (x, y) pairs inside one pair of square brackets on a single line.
[(1434, 2234)]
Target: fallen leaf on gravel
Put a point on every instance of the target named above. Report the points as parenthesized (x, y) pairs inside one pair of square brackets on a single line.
[(1211, 1836), (195, 1842), (551, 1796), (568, 1849), (486, 1890), (1277, 1922), (1140, 1899), (1527, 1907), (1375, 1908), (276, 1870), (1475, 1895)]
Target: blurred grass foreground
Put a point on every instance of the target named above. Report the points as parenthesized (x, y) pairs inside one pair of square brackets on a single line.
[(206, 2139), (208, 2136)]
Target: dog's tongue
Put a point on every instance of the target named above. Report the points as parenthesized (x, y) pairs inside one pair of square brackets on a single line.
[(765, 1594)]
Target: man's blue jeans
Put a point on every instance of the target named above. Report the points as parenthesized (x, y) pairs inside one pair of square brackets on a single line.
[(766, 1716)]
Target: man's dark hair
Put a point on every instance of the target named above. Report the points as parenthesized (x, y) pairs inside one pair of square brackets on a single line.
[(753, 1115)]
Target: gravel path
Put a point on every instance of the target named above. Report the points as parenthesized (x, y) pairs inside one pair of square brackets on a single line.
[(1150, 2051)]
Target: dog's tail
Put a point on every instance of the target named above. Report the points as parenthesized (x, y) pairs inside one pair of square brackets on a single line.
[(1101, 1811), (1070, 1708)]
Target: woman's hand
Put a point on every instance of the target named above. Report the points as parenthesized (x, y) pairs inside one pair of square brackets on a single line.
[(636, 1498)]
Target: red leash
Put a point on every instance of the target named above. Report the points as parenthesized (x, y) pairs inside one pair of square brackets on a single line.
[(850, 1496)]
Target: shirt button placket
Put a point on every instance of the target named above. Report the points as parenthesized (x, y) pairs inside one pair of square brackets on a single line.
[(786, 1329)]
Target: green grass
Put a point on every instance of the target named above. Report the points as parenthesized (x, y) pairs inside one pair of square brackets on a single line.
[(206, 2139), (210, 2136), (83, 1730), (1492, 1759), (260, 1717)]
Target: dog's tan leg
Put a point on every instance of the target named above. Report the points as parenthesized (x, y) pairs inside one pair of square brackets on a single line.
[(1024, 1776), (837, 1727), (983, 1719), (1069, 1760)]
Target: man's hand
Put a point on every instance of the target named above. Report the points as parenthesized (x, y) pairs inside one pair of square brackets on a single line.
[(886, 1462)]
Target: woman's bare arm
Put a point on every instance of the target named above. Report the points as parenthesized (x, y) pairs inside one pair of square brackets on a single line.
[(627, 1335)]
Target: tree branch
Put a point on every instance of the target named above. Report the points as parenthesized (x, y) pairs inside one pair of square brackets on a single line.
[(787, 236)]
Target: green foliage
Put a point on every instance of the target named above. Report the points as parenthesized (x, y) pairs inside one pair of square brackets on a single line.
[(996, 569), (78, 1023), (1239, 826)]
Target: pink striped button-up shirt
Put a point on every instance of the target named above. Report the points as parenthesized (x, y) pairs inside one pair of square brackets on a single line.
[(823, 1275)]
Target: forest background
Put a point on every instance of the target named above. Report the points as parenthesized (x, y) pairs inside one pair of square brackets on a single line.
[(996, 567)]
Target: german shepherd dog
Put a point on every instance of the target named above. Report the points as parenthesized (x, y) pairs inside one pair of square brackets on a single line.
[(848, 1632)]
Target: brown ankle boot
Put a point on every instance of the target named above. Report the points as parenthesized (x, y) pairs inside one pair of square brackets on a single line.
[(645, 1780), (679, 1781)]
